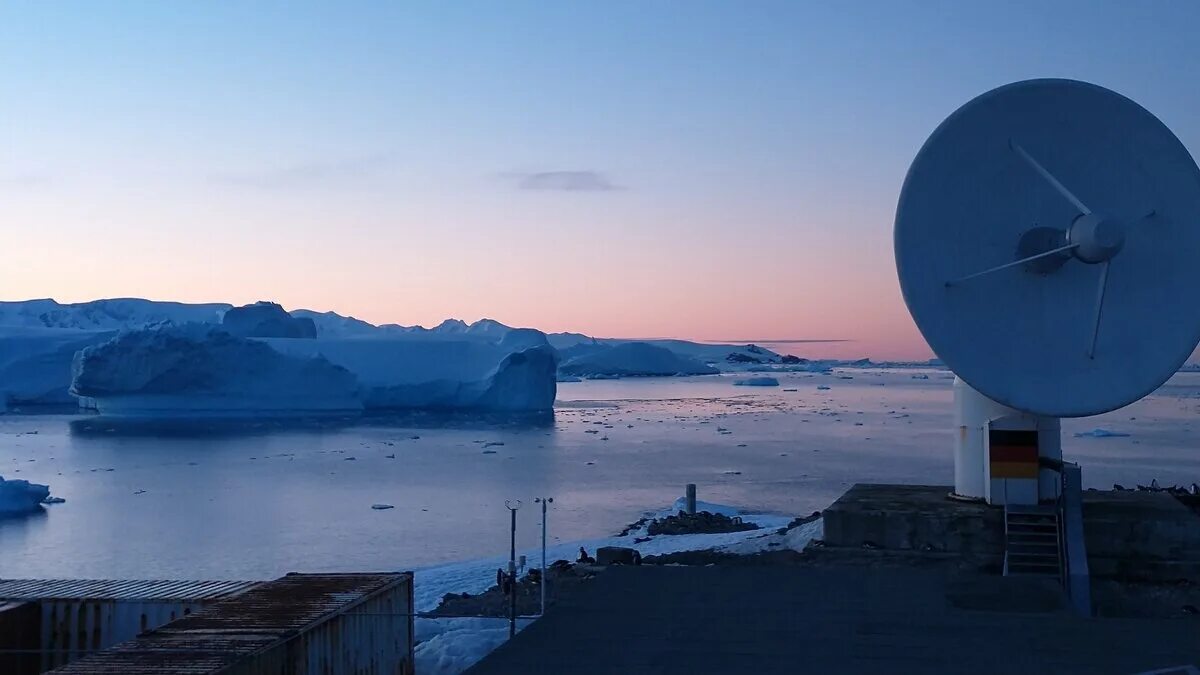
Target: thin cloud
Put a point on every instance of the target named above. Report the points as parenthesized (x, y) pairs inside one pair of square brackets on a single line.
[(566, 181), (23, 180), (353, 172)]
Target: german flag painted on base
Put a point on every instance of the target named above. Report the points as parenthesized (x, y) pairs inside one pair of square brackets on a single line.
[(1014, 454)]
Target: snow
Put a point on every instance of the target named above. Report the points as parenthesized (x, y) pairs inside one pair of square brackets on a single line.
[(199, 369), (21, 496), (631, 359), (757, 382), (1100, 433), (476, 576), (449, 646), (114, 314)]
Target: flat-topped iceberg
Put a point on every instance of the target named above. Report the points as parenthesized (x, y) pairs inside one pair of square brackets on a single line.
[(444, 371), (21, 496), (629, 359), (203, 370), (200, 369)]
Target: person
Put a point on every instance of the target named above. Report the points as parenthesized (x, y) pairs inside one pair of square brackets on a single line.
[(584, 557)]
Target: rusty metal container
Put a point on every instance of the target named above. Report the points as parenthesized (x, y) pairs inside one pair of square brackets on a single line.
[(299, 624), (75, 617)]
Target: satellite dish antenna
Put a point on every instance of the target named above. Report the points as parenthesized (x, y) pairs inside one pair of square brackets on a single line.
[(1047, 241)]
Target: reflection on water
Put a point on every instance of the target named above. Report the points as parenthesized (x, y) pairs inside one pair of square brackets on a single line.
[(254, 499), (94, 425)]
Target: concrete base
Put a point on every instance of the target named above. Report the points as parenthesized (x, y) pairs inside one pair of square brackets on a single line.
[(916, 518), (1139, 536)]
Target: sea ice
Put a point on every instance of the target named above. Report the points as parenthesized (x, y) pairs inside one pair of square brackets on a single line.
[(757, 382), (1100, 433)]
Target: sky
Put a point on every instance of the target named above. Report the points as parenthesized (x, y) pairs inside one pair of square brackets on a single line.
[(703, 170)]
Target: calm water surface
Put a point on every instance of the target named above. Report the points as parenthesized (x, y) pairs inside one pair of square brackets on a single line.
[(263, 498)]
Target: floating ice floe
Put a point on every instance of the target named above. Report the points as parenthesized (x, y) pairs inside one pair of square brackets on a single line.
[(823, 387), (1100, 433), (382, 507)]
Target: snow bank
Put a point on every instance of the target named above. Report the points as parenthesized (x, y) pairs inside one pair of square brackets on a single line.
[(757, 382), (196, 369), (515, 373), (476, 576), (21, 496), (448, 646), (632, 359)]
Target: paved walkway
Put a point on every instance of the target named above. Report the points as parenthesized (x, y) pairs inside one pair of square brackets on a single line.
[(796, 619)]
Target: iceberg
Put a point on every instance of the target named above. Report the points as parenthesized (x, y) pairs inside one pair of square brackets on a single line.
[(629, 359), (107, 315), (447, 371), (199, 369), (757, 382), (21, 496), (35, 363), (267, 319)]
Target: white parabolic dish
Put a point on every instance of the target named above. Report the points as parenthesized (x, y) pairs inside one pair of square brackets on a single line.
[(1095, 326)]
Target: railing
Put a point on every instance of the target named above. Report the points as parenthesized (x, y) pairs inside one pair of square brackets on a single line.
[(1076, 579)]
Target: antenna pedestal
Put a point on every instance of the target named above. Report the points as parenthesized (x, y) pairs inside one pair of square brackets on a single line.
[(998, 451)]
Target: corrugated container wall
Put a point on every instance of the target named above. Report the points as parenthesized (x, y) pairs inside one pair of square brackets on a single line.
[(375, 636), (76, 617), (73, 628)]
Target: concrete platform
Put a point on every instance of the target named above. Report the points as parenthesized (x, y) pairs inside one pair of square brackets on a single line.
[(1146, 536), (1142, 536), (794, 619), (916, 518)]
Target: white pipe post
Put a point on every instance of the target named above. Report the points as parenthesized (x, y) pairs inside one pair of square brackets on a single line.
[(544, 501)]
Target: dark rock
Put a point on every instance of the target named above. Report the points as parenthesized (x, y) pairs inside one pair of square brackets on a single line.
[(698, 523), (788, 358), (617, 555), (738, 357)]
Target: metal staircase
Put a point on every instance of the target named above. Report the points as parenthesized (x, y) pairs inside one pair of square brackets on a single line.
[(1032, 544)]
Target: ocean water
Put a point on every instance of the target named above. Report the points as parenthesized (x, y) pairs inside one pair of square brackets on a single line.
[(260, 498)]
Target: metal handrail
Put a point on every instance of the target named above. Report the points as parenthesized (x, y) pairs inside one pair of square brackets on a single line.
[(1076, 579)]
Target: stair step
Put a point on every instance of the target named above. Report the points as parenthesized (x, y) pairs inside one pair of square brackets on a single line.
[(1025, 549)]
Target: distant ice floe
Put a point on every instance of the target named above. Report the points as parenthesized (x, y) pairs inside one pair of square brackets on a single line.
[(1100, 433), (757, 382), (21, 496), (823, 387)]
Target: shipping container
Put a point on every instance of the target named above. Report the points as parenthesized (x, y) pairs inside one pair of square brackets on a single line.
[(299, 624), (69, 618)]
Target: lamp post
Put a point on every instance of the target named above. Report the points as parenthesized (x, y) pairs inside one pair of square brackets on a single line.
[(543, 501)]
